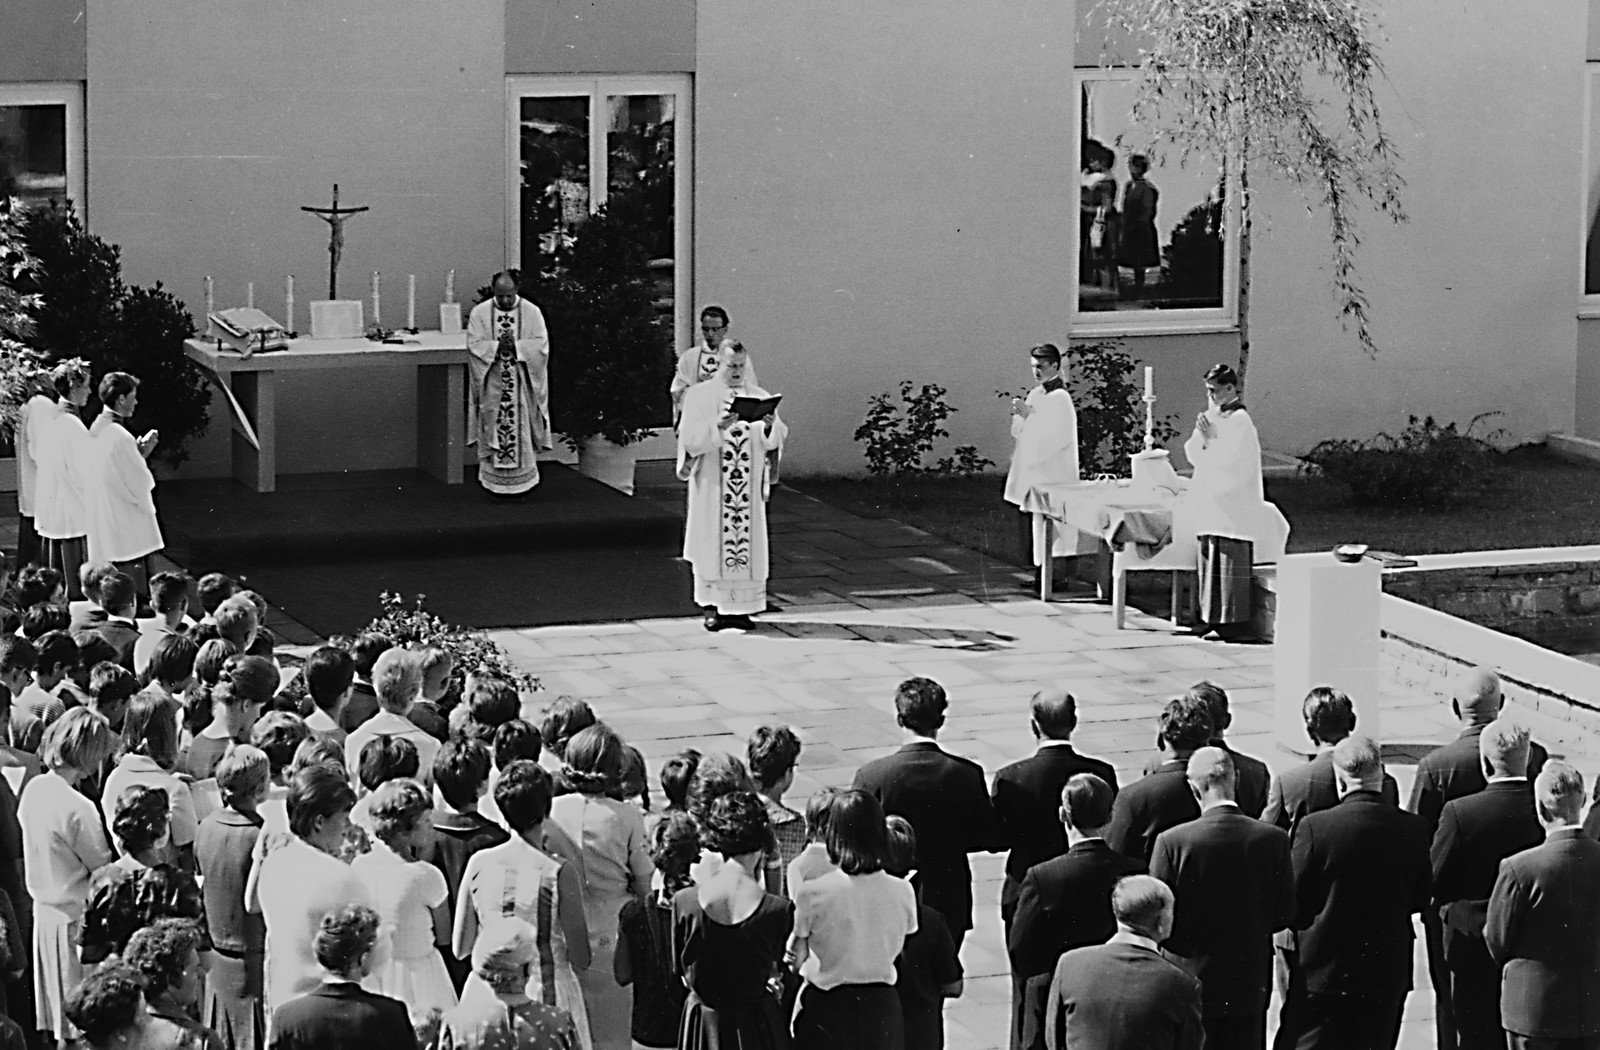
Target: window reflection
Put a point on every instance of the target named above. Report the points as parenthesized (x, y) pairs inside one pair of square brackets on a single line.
[(33, 152)]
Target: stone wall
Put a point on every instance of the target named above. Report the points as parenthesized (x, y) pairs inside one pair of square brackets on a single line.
[(1511, 598)]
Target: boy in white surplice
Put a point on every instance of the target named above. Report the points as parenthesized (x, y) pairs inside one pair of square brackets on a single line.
[(730, 466)]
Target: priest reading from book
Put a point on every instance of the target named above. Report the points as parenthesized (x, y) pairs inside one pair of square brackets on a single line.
[(509, 349), (729, 441), (1045, 426)]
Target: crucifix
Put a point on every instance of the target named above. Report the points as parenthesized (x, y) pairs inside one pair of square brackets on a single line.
[(335, 217)]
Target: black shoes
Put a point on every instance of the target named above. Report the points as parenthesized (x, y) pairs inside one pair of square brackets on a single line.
[(714, 621)]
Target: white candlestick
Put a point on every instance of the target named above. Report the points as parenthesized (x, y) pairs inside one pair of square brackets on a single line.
[(411, 302), (288, 302), (450, 287), (211, 296), (377, 313), (250, 294), (1149, 380)]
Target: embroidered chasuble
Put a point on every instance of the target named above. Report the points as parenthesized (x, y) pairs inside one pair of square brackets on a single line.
[(510, 394), (730, 473)]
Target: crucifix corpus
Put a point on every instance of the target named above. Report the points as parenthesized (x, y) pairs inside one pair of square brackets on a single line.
[(335, 217)]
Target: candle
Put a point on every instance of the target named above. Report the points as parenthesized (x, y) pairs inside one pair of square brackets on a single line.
[(211, 297), (450, 287), (411, 302), (288, 302), (250, 294), (1149, 381), (377, 313)]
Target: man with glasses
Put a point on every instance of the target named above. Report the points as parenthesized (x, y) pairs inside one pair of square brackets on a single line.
[(700, 362)]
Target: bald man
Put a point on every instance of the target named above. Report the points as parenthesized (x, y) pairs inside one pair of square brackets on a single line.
[(508, 351), (1231, 876), (1445, 774), (1360, 872)]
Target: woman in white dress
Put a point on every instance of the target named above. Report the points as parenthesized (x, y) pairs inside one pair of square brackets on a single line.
[(301, 879), (63, 843), (604, 840), (519, 879), (407, 891)]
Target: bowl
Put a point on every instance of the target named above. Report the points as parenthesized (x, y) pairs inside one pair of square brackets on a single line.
[(1350, 552)]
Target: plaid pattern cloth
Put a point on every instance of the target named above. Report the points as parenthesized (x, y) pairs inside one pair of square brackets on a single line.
[(789, 829)]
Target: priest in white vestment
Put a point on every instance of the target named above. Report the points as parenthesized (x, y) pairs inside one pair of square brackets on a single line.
[(1225, 507), (65, 460), (509, 350), (730, 466), (123, 528), (40, 406), (1045, 426), (701, 361)]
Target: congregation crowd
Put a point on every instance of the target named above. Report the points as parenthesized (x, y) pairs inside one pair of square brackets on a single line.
[(200, 850)]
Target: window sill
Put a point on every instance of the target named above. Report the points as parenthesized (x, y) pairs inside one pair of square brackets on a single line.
[(1589, 312), (1132, 328)]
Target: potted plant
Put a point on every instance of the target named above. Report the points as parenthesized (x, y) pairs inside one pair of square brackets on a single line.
[(609, 369)]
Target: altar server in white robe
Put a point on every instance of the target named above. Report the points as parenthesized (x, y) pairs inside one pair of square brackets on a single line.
[(701, 361), (509, 350), (1045, 426), (123, 528), (730, 466), (40, 406), (66, 474), (1224, 506)]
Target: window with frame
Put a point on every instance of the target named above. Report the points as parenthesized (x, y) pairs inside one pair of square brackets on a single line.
[(1589, 264), (575, 143), (1157, 239), (41, 143)]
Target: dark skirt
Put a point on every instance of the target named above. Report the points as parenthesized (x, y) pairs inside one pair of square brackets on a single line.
[(233, 1006), (757, 1025), (66, 557), (1225, 580), (850, 1017)]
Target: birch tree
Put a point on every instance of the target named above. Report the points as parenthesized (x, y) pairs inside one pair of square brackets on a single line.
[(1272, 89)]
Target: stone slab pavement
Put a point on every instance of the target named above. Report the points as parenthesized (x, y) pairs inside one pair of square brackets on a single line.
[(866, 604)]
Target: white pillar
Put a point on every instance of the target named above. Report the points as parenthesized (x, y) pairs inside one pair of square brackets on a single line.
[(1326, 633)]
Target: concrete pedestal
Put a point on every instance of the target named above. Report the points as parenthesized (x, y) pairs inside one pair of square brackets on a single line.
[(1327, 634)]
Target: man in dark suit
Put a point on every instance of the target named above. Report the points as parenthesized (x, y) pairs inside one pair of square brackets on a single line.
[(1543, 926), (1360, 871), (1476, 832), (1447, 773), (1231, 876), (339, 1014), (1027, 794), (1124, 994), (943, 796), (1064, 903), (1161, 798), (1330, 716), (1254, 776)]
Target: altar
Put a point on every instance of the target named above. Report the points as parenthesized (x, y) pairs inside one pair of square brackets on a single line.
[(249, 385)]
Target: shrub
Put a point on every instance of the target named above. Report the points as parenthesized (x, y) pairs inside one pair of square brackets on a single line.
[(1427, 465), (898, 436), (18, 359), (87, 311), (1110, 408)]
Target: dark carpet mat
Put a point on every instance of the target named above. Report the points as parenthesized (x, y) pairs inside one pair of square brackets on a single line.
[(323, 547), (488, 589)]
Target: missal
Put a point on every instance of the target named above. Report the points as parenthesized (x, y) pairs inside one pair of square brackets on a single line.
[(751, 409)]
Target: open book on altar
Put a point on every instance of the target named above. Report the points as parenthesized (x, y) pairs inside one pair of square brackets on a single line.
[(751, 409)]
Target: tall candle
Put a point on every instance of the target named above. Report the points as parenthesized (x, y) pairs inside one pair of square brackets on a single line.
[(288, 302), (450, 287), (377, 312), (211, 296), (250, 294), (411, 302), (1149, 381)]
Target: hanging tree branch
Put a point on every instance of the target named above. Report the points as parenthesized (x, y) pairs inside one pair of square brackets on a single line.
[(1288, 86)]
